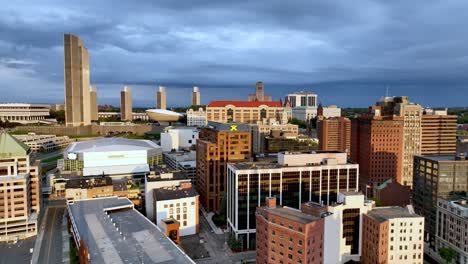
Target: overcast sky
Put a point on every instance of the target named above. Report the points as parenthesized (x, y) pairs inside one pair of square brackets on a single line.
[(348, 52)]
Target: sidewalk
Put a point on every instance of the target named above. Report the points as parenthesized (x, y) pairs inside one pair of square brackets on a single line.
[(40, 237), (65, 241), (208, 216)]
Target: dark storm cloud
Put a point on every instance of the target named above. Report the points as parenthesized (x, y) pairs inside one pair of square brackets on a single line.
[(414, 45)]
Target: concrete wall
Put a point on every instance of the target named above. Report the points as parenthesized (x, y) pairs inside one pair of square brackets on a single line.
[(90, 129)]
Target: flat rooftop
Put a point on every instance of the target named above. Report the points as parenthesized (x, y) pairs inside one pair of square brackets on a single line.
[(133, 239), (291, 214), (382, 214), (451, 157), (111, 144), (163, 194)]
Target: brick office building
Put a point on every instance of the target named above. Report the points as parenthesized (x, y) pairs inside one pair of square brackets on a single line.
[(334, 134), (377, 145), (215, 147), (287, 235)]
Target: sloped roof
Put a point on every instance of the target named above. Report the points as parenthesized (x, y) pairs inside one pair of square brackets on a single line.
[(10, 146), (245, 103)]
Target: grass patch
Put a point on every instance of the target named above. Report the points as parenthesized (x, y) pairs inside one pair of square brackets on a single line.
[(52, 159)]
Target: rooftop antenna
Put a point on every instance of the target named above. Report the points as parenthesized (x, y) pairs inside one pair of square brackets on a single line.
[(386, 95)]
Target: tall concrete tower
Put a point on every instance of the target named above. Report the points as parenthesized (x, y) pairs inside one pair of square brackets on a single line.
[(126, 104), (161, 98), (93, 103), (196, 96), (77, 95), (259, 92)]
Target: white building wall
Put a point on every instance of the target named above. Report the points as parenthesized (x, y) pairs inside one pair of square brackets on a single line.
[(174, 138), (150, 186), (335, 249), (163, 209), (304, 113), (406, 241), (331, 111)]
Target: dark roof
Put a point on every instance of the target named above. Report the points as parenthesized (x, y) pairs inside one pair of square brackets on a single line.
[(169, 194), (119, 186), (88, 182)]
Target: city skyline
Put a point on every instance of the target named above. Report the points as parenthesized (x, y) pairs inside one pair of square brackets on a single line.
[(348, 54)]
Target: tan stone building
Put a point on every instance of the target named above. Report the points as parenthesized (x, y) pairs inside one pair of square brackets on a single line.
[(412, 130), (161, 98), (259, 94), (94, 104), (215, 148), (196, 96), (77, 95), (439, 133), (19, 190), (126, 104), (243, 111)]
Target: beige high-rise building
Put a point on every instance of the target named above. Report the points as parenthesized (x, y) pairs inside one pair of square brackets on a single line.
[(77, 95), (20, 190), (161, 98), (94, 104), (412, 131), (439, 132), (126, 104), (196, 96)]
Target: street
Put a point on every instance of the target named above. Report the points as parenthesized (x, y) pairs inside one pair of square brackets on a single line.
[(51, 247), (219, 251)]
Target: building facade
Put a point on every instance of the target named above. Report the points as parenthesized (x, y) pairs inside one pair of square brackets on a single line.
[(196, 96), (439, 133), (264, 128), (20, 190), (452, 226), (334, 134), (392, 235), (44, 143), (178, 138), (295, 178), (328, 111), (243, 112), (77, 86), (196, 117), (93, 104), (259, 94), (24, 113), (215, 148), (377, 145), (305, 99), (180, 203), (436, 176), (411, 114), (161, 98), (287, 235), (184, 161), (126, 104)]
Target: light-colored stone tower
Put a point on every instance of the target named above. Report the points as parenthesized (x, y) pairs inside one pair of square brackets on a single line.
[(196, 96), (77, 96), (94, 104), (126, 104), (161, 98)]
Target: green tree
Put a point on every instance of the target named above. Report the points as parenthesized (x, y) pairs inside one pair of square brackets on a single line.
[(448, 254), (298, 122)]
